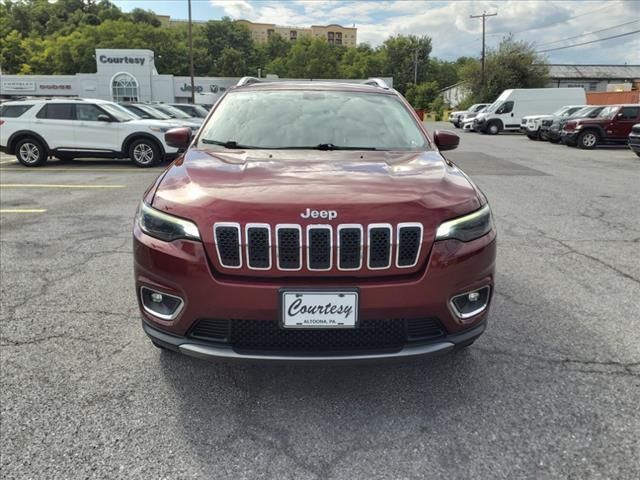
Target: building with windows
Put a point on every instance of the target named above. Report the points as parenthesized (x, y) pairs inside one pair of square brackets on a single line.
[(334, 34), (122, 75)]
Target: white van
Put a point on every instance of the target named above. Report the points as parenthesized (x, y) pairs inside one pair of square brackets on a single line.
[(507, 111)]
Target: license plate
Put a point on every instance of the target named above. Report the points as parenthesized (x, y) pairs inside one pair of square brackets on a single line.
[(319, 309)]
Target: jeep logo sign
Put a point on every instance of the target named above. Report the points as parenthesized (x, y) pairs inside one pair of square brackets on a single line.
[(328, 214)]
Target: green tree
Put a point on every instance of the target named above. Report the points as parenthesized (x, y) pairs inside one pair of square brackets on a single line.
[(514, 64), (401, 53), (422, 95)]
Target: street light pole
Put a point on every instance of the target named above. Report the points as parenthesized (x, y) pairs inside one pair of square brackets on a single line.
[(193, 85), (484, 17)]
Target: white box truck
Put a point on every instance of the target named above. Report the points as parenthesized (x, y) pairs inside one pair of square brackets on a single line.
[(507, 111)]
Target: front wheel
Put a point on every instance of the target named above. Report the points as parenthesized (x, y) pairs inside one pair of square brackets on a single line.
[(144, 153), (493, 128), (31, 153), (588, 140)]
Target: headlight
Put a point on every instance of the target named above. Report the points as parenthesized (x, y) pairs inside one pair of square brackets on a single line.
[(164, 226), (467, 228)]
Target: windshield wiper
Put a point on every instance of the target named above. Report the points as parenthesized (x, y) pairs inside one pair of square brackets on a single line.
[(227, 144), (325, 147)]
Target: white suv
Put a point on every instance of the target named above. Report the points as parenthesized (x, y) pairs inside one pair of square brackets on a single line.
[(66, 128)]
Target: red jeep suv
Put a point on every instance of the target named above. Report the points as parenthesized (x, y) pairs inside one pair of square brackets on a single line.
[(310, 222), (612, 125)]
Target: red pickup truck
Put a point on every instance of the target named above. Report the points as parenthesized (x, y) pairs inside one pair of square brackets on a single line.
[(612, 126), (313, 222)]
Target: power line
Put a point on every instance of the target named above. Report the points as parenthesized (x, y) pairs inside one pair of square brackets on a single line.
[(587, 43), (553, 24), (589, 33)]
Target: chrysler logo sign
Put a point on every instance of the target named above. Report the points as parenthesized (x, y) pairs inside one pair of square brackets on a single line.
[(127, 60)]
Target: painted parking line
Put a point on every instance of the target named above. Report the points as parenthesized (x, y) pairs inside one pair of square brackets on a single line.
[(51, 185), (22, 210), (54, 169)]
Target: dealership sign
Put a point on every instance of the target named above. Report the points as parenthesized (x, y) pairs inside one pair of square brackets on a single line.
[(126, 59), (54, 86), (18, 86)]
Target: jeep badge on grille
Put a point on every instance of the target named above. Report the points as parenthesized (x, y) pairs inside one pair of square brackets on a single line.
[(329, 214)]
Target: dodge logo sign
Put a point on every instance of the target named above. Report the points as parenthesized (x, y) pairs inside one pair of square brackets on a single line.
[(330, 214)]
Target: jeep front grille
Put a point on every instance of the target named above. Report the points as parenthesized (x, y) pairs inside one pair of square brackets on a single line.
[(348, 247)]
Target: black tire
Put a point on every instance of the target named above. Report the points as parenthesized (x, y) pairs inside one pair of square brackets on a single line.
[(638, 154), (531, 137), (588, 140), (493, 128), (554, 140), (30, 152), (144, 153)]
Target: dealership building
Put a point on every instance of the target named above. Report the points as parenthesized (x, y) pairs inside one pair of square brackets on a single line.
[(123, 75)]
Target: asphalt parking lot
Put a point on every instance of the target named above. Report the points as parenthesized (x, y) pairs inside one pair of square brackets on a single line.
[(552, 389)]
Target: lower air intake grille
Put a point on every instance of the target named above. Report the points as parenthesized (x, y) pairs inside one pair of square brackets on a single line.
[(262, 335), (228, 244)]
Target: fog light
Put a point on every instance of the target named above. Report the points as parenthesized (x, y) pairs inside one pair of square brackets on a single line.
[(469, 304), (161, 305), (156, 297)]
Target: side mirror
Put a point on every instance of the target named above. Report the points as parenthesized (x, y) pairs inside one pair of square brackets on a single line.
[(104, 118), (446, 140), (179, 138)]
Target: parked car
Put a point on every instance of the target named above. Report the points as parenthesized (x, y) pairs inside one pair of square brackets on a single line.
[(176, 113), (532, 124), (506, 112), (551, 128), (146, 111), (197, 111), (467, 118), (334, 230), (613, 125), (34, 129), (634, 139), (457, 117)]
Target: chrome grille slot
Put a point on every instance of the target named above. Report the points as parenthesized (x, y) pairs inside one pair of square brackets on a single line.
[(350, 247), (379, 246), (319, 247), (408, 244), (289, 246), (258, 246), (227, 238)]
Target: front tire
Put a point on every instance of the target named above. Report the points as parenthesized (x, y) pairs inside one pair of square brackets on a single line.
[(144, 153), (493, 128), (30, 152), (588, 140)]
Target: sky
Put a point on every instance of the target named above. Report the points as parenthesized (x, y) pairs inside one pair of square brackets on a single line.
[(550, 23)]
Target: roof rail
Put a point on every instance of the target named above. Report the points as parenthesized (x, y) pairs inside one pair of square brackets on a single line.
[(376, 82), (247, 81)]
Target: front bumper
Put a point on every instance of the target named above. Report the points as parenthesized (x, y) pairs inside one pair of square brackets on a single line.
[(569, 137), (204, 350), (634, 143), (181, 268)]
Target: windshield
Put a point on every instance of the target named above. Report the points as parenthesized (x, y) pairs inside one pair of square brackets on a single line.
[(560, 111), (120, 113), (202, 112), (312, 119), (173, 112), (152, 112)]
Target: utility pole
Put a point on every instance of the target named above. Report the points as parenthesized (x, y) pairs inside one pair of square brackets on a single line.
[(484, 17), (415, 66), (193, 85)]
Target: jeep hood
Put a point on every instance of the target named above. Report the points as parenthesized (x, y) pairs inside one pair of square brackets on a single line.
[(233, 184)]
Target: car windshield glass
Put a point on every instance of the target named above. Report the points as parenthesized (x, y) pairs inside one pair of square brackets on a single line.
[(173, 112), (120, 113), (201, 111), (560, 112), (327, 120), (583, 112), (608, 112), (154, 112)]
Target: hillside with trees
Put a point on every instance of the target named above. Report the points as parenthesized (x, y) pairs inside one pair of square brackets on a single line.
[(39, 37)]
